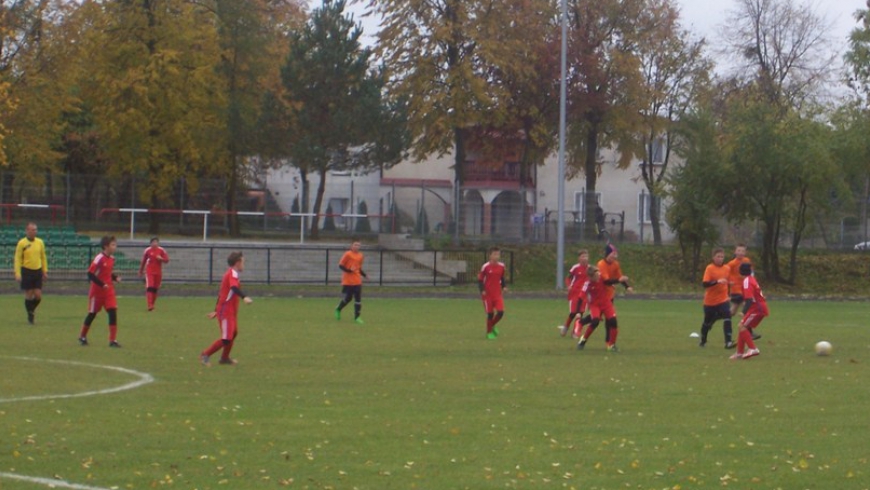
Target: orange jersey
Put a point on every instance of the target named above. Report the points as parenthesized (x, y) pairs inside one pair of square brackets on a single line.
[(609, 271), (735, 280), (352, 261), (718, 294)]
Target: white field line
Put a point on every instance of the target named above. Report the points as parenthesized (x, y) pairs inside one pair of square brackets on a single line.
[(49, 482), (143, 379)]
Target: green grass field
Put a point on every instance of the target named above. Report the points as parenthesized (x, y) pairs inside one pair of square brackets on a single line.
[(417, 398)]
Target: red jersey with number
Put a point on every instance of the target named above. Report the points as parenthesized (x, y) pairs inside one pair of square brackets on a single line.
[(228, 300), (102, 266), (150, 263), (576, 280), (752, 290), (492, 277)]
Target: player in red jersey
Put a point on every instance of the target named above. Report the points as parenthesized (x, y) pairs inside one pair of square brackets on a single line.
[(599, 305), (735, 281), (576, 298), (490, 281), (611, 275), (227, 310), (152, 268), (102, 294), (756, 310)]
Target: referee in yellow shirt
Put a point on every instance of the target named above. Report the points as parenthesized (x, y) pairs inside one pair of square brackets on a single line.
[(31, 267)]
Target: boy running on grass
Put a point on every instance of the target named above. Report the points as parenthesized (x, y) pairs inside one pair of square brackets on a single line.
[(756, 310), (576, 297), (490, 282), (227, 310), (351, 281), (599, 305)]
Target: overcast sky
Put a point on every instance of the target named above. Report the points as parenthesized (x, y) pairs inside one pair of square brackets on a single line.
[(705, 17)]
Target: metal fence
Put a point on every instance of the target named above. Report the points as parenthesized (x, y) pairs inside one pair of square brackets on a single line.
[(270, 264), (269, 206)]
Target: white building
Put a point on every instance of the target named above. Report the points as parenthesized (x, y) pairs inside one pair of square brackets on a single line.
[(498, 200)]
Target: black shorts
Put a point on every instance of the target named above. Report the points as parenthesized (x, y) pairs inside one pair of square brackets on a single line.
[(355, 290), (737, 299), (31, 279), (718, 312)]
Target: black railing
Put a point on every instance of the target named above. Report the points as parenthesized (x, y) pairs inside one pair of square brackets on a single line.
[(271, 264)]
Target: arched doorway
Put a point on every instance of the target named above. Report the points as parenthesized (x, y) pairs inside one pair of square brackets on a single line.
[(507, 215), (473, 213)]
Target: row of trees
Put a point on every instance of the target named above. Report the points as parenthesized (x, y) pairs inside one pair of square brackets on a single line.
[(163, 89), (167, 88)]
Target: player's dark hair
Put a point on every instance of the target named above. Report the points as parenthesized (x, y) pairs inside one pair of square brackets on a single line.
[(745, 269), (718, 250), (493, 249), (154, 239), (591, 271), (582, 251), (106, 240), (234, 258), (741, 245)]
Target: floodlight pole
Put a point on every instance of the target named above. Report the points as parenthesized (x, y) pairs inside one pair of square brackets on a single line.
[(560, 226)]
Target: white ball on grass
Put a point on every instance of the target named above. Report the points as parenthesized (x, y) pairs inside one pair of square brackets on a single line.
[(824, 348)]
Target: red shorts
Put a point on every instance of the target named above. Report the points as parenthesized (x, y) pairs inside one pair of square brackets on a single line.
[(229, 327), (596, 311), (98, 300), (153, 280), (753, 317), (576, 305), (493, 303)]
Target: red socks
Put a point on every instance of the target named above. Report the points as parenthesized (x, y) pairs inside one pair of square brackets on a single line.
[(744, 339), (214, 347)]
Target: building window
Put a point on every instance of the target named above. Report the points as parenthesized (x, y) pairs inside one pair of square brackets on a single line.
[(580, 203), (658, 151), (644, 202)]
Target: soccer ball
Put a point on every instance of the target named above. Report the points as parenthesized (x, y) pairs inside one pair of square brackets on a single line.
[(823, 348)]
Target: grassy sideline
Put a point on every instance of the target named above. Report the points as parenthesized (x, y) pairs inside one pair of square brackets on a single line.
[(416, 398)]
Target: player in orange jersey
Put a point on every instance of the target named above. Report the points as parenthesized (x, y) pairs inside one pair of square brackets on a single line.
[(351, 281), (716, 301), (735, 280)]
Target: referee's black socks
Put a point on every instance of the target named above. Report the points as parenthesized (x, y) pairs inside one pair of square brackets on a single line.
[(31, 304)]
